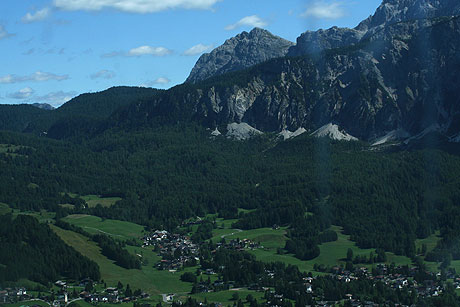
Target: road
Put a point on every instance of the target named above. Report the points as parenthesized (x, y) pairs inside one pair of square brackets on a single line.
[(231, 234)]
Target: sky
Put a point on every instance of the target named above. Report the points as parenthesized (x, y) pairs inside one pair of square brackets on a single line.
[(54, 50)]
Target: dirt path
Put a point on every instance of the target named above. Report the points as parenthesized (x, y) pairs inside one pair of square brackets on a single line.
[(231, 234)]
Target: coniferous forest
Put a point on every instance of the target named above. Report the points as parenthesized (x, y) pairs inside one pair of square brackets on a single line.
[(165, 173)]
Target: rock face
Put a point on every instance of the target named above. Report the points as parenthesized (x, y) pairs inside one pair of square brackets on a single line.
[(388, 13), (401, 74), (240, 52)]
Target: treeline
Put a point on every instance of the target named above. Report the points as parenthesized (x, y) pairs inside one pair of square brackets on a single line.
[(112, 249), (33, 251)]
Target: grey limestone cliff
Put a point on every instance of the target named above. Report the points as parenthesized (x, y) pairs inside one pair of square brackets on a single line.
[(240, 52)]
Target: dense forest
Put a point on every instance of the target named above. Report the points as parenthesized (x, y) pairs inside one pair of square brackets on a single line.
[(33, 251), (167, 171), (382, 199)]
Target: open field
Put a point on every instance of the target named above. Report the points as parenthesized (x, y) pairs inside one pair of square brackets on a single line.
[(4, 209), (10, 149), (225, 297), (430, 242), (332, 253), (94, 200), (43, 216), (148, 279), (268, 237), (115, 228), (28, 303)]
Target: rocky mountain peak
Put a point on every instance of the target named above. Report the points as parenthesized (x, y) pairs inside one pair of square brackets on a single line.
[(240, 52), (393, 11)]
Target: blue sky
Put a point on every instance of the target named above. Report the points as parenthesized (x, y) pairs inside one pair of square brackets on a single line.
[(53, 50)]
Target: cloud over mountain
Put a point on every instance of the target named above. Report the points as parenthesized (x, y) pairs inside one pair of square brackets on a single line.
[(252, 21)]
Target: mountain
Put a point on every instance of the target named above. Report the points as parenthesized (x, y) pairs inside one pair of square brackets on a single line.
[(392, 77), (388, 13), (239, 52), (18, 117), (401, 74), (77, 116)]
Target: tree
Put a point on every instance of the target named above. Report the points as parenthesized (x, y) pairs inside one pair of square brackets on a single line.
[(424, 249), (350, 255), (120, 285), (89, 287), (128, 291), (235, 296)]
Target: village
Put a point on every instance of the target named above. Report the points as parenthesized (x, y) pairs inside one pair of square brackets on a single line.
[(65, 293), (178, 251)]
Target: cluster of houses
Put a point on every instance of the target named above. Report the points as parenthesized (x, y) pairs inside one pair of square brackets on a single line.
[(237, 244), (177, 251), (428, 288), (10, 295)]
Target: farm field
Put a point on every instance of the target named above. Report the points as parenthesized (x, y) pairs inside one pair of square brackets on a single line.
[(148, 279), (332, 253), (96, 225)]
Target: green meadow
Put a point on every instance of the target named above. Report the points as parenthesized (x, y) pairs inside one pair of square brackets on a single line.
[(94, 200), (148, 279), (4, 209), (225, 297), (114, 228), (332, 253)]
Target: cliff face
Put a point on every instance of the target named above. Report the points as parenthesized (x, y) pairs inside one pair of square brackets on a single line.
[(403, 76), (388, 13), (240, 52)]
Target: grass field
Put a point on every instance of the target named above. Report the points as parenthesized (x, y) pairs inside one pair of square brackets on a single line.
[(430, 242), (332, 253), (10, 149), (4, 209), (43, 216), (225, 297), (148, 279), (94, 200), (115, 228), (27, 304)]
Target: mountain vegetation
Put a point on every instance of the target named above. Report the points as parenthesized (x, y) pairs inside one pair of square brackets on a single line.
[(30, 250)]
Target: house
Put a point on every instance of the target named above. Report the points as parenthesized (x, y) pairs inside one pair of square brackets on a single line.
[(309, 288), (4, 298)]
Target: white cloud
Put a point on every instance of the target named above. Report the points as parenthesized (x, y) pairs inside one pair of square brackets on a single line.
[(133, 6), (4, 33), (197, 49), (162, 81), (22, 94), (37, 16), (103, 74), (148, 50), (38, 76), (252, 21), (56, 98), (325, 10), (139, 51)]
